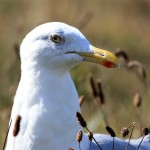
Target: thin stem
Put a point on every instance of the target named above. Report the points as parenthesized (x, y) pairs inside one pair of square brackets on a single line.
[(7, 135), (104, 115), (113, 143), (79, 146), (139, 118), (140, 143), (94, 139), (132, 124), (90, 145), (103, 112)]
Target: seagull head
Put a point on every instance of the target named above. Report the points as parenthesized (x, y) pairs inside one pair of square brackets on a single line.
[(59, 45)]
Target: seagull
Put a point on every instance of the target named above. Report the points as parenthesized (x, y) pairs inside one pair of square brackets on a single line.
[(43, 113)]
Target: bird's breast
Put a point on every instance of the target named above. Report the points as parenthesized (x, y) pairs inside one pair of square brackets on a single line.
[(47, 109)]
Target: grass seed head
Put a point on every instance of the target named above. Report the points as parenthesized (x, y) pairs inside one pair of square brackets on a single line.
[(137, 100), (90, 136), (93, 87), (79, 136), (100, 93), (121, 53), (17, 126), (81, 99), (124, 132), (145, 131), (110, 131), (81, 120)]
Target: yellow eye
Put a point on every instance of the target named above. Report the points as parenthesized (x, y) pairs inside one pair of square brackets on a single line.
[(56, 39)]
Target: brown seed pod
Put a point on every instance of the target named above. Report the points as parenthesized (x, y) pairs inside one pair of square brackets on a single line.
[(137, 100), (145, 131), (124, 132), (121, 53), (90, 136), (81, 100), (100, 93), (17, 126), (93, 87), (79, 136), (110, 131), (81, 120)]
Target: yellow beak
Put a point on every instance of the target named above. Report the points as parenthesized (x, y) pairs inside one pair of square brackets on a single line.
[(100, 56)]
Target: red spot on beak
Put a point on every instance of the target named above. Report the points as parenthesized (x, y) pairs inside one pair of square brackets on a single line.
[(109, 64)]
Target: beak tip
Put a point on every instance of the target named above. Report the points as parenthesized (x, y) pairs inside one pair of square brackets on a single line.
[(110, 64)]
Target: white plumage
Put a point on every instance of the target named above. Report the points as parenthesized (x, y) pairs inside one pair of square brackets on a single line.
[(46, 98)]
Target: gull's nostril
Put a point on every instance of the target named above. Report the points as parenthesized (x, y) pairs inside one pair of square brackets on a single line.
[(101, 54)]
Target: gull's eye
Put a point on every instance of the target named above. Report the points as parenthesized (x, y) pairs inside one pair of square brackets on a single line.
[(56, 39)]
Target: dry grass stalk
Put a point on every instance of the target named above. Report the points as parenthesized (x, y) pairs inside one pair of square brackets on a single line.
[(83, 123), (84, 19), (102, 102), (94, 139), (149, 134), (139, 67), (104, 115), (100, 93), (79, 137), (7, 135), (145, 132), (140, 71), (93, 87), (17, 126), (137, 100), (121, 53), (16, 49), (81, 100), (135, 65), (112, 133), (132, 128)]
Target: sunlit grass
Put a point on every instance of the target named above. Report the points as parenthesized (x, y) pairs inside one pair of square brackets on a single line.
[(123, 24)]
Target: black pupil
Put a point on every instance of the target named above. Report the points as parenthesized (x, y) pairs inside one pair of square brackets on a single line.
[(55, 38)]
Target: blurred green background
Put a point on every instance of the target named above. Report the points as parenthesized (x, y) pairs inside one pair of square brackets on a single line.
[(108, 24)]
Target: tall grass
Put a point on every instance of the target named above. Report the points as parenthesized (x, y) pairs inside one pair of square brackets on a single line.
[(107, 24)]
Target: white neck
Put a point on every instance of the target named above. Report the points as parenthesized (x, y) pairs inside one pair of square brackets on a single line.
[(48, 105)]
